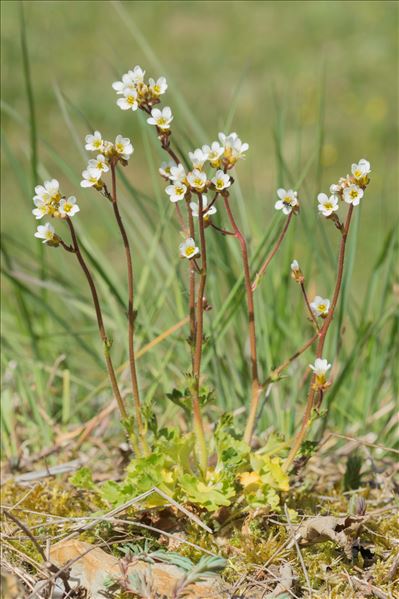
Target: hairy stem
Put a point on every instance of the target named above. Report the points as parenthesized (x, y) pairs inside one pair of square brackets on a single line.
[(320, 346), (198, 423), (256, 388), (100, 323), (130, 311), (273, 252), (191, 306)]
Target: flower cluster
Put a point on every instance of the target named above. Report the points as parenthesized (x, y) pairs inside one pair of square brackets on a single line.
[(134, 93), (49, 201), (350, 189), (107, 152)]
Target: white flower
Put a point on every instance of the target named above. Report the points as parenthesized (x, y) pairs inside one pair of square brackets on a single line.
[(99, 163), (227, 141), (42, 208), (353, 194), (94, 143), (166, 167), (68, 207), (327, 205), (198, 158), (320, 306), (91, 176), (45, 232), (161, 118), (221, 180), (188, 249), (108, 148), (126, 83), (206, 213), (129, 100), (288, 199), (197, 179), (320, 368), (233, 146), (213, 152), (123, 147), (137, 74), (158, 87), (48, 191), (362, 169), (176, 192), (129, 80), (177, 173), (295, 266), (335, 189)]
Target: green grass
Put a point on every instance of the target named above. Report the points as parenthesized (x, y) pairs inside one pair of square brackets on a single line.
[(307, 115)]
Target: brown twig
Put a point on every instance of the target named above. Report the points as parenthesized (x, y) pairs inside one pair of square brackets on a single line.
[(320, 346), (256, 388), (309, 309), (104, 338), (198, 424), (130, 310)]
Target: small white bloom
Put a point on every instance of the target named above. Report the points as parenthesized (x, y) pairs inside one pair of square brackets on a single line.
[(126, 83), (161, 118), (335, 189), (94, 143), (99, 163), (91, 176), (320, 306), (327, 205), (177, 173), (206, 213), (295, 266), (137, 74), (42, 208), (221, 180), (158, 87), (176, 192), (68, 207), (129, 100), (48, 191), (45, 232), (234, 148), (213, 152), (227, 141), (108, 148), (320, 368), (166, 167), (288, 199), (123, 147), (188, 249), (198, 158), (353, 194), (362, 169), (197, 179)]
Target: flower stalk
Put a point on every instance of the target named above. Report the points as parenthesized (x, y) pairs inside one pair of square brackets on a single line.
[(320, 346), (130, 311)]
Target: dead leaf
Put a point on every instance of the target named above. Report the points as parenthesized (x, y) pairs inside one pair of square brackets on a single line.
[(92, 567), (320, 529)]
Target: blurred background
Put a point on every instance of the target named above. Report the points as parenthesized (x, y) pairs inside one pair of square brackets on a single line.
[(311, 86)]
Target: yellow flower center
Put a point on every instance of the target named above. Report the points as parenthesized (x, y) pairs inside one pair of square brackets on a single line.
[(328, 206), (119, 148), (190, 250), (161, 121), (322, 307), (131, 100), (179, 191), (198, 182), (156, 89), (67, 207), (219, 183), (353, 194), (357, 174), (97, 143), (287, 200)]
